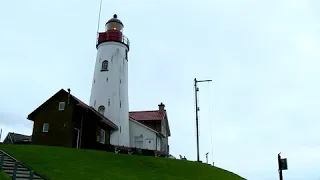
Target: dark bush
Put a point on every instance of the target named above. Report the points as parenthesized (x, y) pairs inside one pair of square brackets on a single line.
[(103, 147), (146, 152)]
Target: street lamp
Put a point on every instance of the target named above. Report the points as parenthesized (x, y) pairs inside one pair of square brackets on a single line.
[(282, 164), (207, 157), (197, 109)]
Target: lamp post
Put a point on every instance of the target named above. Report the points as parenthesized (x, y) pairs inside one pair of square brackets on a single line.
[(207, 157), (283, 165), (197, 109)]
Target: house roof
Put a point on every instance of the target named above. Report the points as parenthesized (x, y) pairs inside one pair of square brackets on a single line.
[(80, 103), (151, 115), (147, 115), (146, 127), (14, 137), (103, 118)]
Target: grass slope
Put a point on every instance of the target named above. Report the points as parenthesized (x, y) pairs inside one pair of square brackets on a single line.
[(4, 176), (58, 163)]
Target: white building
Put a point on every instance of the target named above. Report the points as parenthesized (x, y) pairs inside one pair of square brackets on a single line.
[(150, 129), (109, 94)]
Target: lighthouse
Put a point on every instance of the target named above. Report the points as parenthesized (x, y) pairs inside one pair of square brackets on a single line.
[(109, 92)]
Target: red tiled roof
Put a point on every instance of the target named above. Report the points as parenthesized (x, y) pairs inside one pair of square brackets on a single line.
[(103, 119), (146, 115)]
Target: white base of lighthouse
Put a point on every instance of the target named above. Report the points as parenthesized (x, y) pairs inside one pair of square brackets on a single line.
[(110, 89)]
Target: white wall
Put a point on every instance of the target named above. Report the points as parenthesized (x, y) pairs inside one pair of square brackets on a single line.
[(106, 86), (138, 130), (165, 141)]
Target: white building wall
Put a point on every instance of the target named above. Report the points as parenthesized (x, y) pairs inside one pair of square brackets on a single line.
[(165, 141), (112, 85), (138, 130)]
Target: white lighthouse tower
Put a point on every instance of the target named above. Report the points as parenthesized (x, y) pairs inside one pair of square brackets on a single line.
[(109, 93)]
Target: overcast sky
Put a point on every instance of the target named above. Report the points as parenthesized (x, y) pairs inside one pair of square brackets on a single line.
[(263, 58)]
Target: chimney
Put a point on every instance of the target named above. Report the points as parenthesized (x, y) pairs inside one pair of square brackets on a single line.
[(161, 107), (69, 91)]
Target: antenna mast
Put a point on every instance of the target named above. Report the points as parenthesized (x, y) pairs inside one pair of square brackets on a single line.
[(99, 19), (197, 109)]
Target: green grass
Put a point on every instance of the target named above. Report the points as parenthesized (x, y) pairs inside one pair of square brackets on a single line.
[(4, 176), (58, 163)]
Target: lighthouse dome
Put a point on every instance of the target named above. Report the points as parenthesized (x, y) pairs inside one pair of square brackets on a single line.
[(114, 24)]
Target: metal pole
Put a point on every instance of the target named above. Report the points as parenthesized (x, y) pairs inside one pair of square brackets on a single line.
[(280, 168), (197, 118), (197, 109)]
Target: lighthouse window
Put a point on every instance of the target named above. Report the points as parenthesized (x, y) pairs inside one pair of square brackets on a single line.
[(120, 104), (104, 66), (108, 102), (101, 109), (127, 54)]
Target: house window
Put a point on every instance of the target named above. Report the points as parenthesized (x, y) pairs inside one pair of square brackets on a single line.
[(62, 106), (104, 66), (108, 102), (102, 136), (138, 141), (45, 127), (101, 109)]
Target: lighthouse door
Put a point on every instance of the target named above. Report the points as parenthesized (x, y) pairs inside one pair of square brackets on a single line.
[(150, 144)]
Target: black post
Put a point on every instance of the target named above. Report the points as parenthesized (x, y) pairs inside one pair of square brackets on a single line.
[(31, 175), (1, 160), (280, 167), (197, 119), (15, 168)]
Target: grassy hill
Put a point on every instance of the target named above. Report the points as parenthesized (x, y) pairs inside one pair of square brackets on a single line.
[(4, 176), (58, 163)]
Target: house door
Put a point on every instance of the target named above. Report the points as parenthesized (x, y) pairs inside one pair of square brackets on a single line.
[(150, 144)]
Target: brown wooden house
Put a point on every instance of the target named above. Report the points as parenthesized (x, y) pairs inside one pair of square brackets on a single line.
[(64, 120)]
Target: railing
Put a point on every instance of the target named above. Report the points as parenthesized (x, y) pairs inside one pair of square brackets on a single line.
[(104, 37), (16, 164)]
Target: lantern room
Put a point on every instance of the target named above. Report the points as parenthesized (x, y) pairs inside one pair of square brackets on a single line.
[(114, 24), (113, 32)]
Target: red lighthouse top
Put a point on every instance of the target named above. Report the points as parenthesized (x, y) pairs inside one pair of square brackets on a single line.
[(113, 32)]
